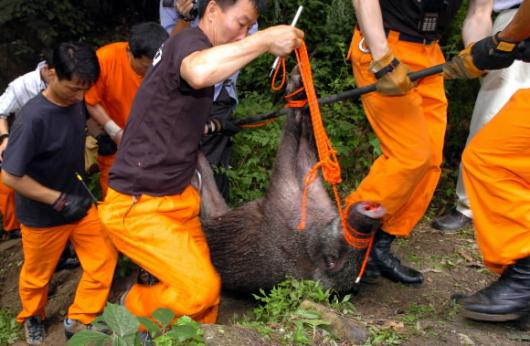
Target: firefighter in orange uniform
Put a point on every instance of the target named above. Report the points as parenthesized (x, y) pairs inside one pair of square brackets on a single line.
[(109, 101), (393, 38), (496, 170)]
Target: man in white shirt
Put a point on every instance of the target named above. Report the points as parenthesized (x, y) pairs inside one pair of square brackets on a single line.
[(18, 92)]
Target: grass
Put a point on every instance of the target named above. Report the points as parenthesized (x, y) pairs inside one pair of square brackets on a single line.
[(281, 317), (416, 312), (10, 330), (383, 336)]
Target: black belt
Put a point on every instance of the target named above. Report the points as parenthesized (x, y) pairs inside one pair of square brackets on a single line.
[(409, 38)]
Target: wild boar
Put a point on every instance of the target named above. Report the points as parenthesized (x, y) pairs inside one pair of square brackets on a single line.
[(258, 244)]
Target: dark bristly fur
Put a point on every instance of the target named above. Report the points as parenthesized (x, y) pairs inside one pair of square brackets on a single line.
[(258, 245)]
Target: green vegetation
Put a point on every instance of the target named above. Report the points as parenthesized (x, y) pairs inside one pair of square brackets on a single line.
[(383, 336), (282, 315), (123, 326), (415, 312), (10, 330)]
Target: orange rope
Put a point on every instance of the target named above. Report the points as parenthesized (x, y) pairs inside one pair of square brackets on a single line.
[(274, 86), (327, 155), (258, 124)]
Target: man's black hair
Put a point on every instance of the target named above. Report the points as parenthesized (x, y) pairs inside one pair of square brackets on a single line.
[(146, 38), (78, 59), (259, 5)]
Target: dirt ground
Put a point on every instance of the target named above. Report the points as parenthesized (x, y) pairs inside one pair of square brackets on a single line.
[(421, 315)]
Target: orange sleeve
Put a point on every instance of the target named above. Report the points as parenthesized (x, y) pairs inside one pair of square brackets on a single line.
[(94, 94)]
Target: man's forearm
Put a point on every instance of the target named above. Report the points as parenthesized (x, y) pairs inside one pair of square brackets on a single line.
[(370, 19), (100, 115), (210, 66), (30, 188), (477, 24), (518, 29)]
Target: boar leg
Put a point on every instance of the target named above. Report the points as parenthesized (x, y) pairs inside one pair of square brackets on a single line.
[(212, 202)]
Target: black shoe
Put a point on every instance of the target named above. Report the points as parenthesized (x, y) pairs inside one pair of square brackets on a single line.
[(451, 222), (68, 259), (9, 235), (146, 278), (34, 330), (15, 234), (506, 299), (389, 266), (67, 263)]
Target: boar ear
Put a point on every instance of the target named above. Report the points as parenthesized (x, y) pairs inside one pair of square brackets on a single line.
[(212, 203)]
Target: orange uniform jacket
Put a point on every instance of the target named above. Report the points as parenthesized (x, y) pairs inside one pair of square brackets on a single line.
[(115, 91)]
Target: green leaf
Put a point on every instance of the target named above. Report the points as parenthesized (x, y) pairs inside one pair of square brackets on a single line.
[(317, 323), (184, 332), (85, 337), (151, 326), (164, 316), (306, 314), (120, 320)]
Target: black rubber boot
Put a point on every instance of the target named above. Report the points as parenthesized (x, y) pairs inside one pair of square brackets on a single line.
[(389, 266), (506, 299), (68, 259)]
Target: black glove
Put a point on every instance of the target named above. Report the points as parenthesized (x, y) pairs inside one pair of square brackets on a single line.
[(223, 126), (523, 51), (106, 146), (491, 53), (72, 207)]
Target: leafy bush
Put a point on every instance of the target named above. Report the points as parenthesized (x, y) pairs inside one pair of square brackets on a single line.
[(123, 326), (281, 308), (10, 330)]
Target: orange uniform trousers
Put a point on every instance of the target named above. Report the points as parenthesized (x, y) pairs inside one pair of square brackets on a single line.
[(104, 164), (410, 129), (496, 171), (7, 208), (42, 249), (163, 235)]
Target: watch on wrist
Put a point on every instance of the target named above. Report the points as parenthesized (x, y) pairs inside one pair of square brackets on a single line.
[(386, 69)]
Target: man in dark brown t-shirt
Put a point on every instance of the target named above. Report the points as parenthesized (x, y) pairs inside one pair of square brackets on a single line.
[(151, 210)]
